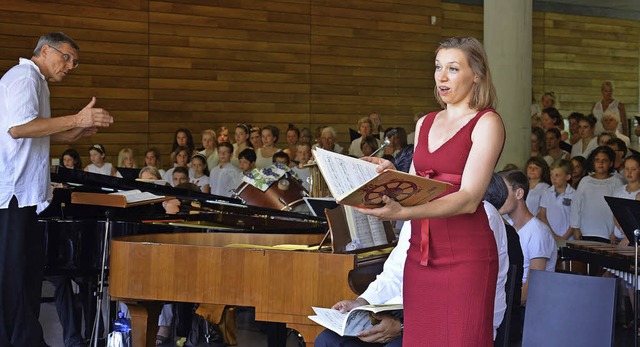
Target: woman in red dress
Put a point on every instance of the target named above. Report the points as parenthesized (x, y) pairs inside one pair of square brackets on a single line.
[(451, 268)]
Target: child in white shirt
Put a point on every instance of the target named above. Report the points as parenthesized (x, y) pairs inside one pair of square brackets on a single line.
[(538, 175), (225, 176), (591, 219), (555, 205), (200, 172), (303, 154)]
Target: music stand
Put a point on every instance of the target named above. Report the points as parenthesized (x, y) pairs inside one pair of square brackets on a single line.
[(627, 212)]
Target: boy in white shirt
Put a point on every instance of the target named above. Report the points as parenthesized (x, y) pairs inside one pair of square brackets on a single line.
[(225, 176), (555, 205), (538, 246), (303, 154), (247, 160)]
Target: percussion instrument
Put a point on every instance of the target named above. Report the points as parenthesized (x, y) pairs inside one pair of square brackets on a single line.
[(285, 194), (317, 185)]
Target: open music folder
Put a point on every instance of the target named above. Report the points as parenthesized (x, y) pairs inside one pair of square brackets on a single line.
[(355, 182)]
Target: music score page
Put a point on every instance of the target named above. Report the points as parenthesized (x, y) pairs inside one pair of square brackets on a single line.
[(343, 173)]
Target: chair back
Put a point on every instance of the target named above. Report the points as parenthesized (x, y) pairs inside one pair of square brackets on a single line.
[(502, 335), (569, 310)]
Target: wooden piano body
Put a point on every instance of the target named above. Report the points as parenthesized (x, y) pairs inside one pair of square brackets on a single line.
[(281, 285), (155, 262)]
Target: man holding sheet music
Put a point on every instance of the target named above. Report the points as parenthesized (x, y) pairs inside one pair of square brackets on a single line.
[(387, 288)]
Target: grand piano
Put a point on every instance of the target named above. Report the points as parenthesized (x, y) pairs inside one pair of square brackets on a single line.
[(226, 253)]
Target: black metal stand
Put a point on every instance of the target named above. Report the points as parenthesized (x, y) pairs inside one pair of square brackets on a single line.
[(627, 213), (101, 281), (636, 234)]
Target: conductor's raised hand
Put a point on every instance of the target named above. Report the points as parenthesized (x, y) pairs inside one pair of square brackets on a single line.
[(90, 116), (391, 210), (383, 164)]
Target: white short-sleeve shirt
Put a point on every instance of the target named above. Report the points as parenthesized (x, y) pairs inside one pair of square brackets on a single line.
[(537, 242), (24, 163), (534, 197), (558, 208)]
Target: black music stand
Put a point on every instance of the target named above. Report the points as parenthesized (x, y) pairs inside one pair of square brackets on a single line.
[(627, 212)]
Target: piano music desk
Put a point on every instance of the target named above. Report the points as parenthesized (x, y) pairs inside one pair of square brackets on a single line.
[(196, 267)]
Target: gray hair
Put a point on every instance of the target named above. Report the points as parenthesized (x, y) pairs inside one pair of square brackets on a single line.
[(329, 130), (54, 40)]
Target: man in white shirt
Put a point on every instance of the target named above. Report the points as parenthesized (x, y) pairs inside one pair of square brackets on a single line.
[(387, 288), (537, 242), (26, 130)]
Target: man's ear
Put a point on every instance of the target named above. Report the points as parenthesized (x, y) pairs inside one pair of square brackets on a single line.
[(519, 193)]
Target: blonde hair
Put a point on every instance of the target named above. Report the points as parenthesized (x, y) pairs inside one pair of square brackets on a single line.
[(365, 120), (607, 84), (123, 155), (152, 170), (213, 135), (610, 114), (483, 91)]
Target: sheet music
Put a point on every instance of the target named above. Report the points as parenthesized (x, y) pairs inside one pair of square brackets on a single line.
[(136, 195), (343, 173), (359, 227), (378, 234)]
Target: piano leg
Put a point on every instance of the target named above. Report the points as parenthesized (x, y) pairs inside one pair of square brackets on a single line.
[(144, 322)]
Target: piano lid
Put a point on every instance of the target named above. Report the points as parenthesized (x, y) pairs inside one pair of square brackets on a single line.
[(209, 203)]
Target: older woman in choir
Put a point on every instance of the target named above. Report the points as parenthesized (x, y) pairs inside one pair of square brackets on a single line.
[(328, 140), (365, 126), (609, 104), (611, 123)]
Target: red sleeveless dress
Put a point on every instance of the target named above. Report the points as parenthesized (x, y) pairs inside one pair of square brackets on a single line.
[(449, 302)]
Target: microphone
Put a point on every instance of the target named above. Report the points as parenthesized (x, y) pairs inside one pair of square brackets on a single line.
[(386, 142)]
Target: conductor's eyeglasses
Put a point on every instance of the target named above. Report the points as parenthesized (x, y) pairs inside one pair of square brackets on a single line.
[(66, 57)]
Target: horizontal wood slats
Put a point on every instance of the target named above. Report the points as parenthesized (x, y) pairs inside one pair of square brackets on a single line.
[(158, 65)]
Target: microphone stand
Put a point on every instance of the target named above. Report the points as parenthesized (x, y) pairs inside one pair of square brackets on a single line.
[(100, 291), (382, 146)]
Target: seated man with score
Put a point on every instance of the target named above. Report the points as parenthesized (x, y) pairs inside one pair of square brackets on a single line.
[(387, 288)]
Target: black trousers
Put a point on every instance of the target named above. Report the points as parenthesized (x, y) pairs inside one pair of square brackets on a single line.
[(21, 268), (68, 311)]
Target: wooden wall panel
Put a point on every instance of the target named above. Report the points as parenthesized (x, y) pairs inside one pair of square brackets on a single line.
[(573, 55), (215, 66), (462, 20), (113, 40), (158, 64), (371, 57)]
